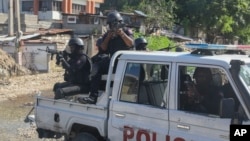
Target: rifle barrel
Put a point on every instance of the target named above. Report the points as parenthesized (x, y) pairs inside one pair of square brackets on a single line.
[(41, 49)]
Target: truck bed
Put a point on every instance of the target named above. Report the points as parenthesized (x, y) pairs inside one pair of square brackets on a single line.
[(49, 112)]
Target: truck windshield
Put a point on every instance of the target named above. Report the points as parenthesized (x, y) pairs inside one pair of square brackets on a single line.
[(245, 75)]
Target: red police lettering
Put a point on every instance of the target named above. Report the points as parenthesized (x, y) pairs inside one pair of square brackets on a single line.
[(154, 136), (179, 139), (141, 133), (167, 138), (128, 133), (176, 139)]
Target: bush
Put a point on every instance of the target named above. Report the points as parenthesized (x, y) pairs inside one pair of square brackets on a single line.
[(156, 42)]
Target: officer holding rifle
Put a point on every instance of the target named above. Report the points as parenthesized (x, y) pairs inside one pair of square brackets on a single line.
[(117, 38), (77, 69)]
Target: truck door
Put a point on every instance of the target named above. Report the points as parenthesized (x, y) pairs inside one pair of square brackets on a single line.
[(139, 112), (198, 116)]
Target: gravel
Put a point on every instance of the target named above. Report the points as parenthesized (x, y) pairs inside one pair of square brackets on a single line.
[(17, 99)]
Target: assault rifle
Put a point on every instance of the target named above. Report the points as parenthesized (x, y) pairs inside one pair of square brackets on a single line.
[(59, 54), (115, 26), (51, 51)]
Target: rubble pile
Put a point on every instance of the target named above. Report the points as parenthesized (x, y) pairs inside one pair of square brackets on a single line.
[(9, 68)]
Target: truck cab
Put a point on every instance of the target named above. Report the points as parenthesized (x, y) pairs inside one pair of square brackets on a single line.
[(148, 99)]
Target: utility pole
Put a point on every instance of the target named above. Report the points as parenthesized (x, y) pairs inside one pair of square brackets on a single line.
[(16, 20), (19, 34), (10, 19), (17, 15)]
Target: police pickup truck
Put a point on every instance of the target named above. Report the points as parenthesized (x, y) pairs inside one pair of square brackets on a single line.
[(147, 99)]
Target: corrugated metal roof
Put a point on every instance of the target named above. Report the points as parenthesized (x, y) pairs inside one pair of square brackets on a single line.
[(140, 13), (135, 13), (24, 37), (53, 31), (176, 36), (38, 41), (30, 35)]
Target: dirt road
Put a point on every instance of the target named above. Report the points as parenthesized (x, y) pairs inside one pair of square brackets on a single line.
[(17, 99)]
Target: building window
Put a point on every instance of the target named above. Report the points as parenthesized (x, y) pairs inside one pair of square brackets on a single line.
[(83, 8), (27, 6), (76, 8), (57, 6), (45, 5), (97, 10)]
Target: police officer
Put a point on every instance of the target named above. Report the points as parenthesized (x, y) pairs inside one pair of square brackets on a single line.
[(141, 43), (117, 38), (99, 57), (101, 54), (204, 96), (77, 70)]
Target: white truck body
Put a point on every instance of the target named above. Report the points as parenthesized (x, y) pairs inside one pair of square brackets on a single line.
[(118, 117)]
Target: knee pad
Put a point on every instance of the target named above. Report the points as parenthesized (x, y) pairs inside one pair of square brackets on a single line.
[(59, 94)]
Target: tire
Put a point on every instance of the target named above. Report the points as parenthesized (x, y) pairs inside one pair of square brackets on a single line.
[(85, 137)]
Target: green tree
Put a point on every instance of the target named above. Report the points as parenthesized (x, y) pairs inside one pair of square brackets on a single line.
[(225, 18), (160, 13)]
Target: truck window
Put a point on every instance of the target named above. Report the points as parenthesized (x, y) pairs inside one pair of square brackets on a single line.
[(245, 75), (201, 89), (144, 84)]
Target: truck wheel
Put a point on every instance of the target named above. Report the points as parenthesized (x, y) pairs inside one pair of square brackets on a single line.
[(85, 137)]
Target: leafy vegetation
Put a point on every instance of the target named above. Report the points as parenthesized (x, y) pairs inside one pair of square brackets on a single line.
[(156, 42), (159, 12), (226, 18)]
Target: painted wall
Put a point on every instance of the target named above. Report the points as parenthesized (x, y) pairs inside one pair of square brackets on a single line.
[(49, 15), (35, 59), (32, 58)]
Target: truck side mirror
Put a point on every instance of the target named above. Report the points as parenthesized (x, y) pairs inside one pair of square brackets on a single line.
[(227, 108)]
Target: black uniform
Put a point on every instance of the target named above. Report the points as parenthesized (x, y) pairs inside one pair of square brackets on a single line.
[(99, 57), (117, 43), (114, 45), (76, 76)]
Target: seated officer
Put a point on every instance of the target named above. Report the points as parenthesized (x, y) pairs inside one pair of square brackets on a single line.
[(203, 95), (77, 70)]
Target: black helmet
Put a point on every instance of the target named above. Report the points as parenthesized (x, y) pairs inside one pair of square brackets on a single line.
[(140, 43), (114, 17), (98, 44), (76, 42)]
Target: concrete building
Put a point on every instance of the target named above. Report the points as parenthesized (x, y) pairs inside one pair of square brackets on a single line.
[(52, 9)]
